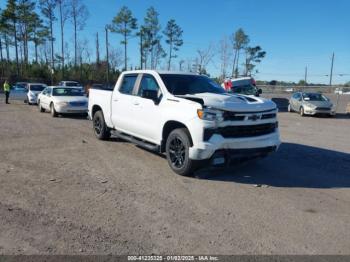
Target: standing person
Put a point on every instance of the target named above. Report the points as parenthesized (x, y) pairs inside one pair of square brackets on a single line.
[(7, 91)]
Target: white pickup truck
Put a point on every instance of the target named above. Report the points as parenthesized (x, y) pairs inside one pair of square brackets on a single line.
[(188, 117)]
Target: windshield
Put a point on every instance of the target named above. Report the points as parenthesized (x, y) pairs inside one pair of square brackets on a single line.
[(72, 84), (67, 92), (245, 90), (36, 87), (314, 97), (190, 84)]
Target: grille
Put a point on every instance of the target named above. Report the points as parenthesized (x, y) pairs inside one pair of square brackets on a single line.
[(323, 108), (268, 116), (231, 116), (77, 103), (241, 131)]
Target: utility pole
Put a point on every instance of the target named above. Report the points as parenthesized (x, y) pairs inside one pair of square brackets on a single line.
[(107, 54), (331, 75), (97, 50), (306, 75), (141, 48)]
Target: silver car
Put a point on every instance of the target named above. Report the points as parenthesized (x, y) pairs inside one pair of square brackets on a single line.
[(311, 104)]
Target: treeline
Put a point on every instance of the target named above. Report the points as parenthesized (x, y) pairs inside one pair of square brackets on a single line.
[(27, 42), (31, 49)]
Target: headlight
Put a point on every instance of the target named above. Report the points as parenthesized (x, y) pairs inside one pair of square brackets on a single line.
[(62, 104), (210, 114), (32, 95)]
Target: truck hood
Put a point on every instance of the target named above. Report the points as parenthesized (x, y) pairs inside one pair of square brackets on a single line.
[(232, 102)]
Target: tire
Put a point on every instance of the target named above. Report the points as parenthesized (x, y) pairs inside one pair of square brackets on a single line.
[(302, 111), (177, 152), (100, 128), (52, 110), (42, 110), (290, 110)]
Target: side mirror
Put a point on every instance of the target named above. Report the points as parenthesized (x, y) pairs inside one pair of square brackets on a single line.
[(150, 94), (259, 91)]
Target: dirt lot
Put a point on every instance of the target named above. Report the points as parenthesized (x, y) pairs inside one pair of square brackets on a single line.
[(64, 192)]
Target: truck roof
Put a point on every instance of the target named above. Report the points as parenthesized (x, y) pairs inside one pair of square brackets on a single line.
[(159, 72), (242, 78)]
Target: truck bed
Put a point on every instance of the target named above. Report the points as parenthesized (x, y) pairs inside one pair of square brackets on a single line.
[(102, 98)]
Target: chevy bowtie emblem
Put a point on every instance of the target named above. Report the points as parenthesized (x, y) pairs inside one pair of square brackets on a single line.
[(254, 117)]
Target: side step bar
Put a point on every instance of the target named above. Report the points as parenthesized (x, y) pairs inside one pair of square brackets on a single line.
[(134, 140)]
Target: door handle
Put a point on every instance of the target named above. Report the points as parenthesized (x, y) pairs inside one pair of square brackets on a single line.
[(115, 100), (136, 103)]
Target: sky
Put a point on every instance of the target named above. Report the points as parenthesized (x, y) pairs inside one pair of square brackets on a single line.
[(294, 33)]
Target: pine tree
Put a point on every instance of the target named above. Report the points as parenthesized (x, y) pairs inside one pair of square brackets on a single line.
[(152, 36), (11, 16), (78, 15), (124, 23), (173, 34), (48, 10)]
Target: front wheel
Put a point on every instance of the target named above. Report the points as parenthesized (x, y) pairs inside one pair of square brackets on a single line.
[(177, 152), (302, 113), (52, 110), (290, 110), (100, 128), (41, 109)]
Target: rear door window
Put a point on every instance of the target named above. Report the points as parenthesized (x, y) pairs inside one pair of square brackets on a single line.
[(128, 84)]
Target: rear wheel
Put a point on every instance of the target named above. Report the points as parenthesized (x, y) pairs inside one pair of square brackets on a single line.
[(177, 152), (52, 110), (100, 128), (290, 108)]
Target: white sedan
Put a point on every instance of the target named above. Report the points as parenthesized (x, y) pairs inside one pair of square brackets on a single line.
[(34, 89), (63, 100)]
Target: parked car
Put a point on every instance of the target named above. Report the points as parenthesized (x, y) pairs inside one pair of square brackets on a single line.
[(19, 92), (188, 117), (342, 91), (348, 109), (19, 86), (34, 89), (71, 84), (311, 104), (245, 86), (62, 100)]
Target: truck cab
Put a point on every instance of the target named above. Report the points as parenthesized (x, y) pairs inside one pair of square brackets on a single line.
[(245, 86)]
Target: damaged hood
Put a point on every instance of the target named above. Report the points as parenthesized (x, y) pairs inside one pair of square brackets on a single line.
[(232, 102)]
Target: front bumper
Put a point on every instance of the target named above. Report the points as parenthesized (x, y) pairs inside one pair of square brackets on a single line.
[(310, 111), (205, 150), (33, 100), (71, 109)]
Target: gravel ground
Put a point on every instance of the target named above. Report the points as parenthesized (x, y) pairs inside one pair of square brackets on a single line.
[(64, 192)]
